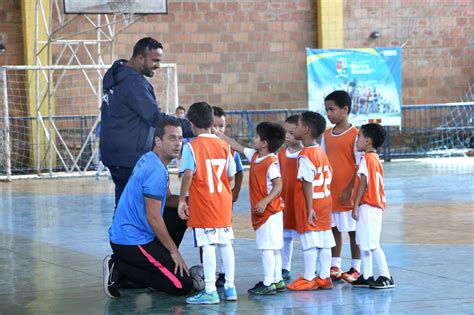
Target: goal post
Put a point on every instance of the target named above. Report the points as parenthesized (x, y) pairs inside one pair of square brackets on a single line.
[(49, 129)]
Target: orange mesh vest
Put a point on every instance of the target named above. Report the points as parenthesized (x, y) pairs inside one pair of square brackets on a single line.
[(374, 194), (322, 200), (258, 189), (340, 152), (289, 170), (210, 197)]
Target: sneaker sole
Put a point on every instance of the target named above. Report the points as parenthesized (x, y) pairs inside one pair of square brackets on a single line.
[(230, 298), (384, 287), (105, 271), (312, 289), (266, 293), (361, 285), (206, 302)]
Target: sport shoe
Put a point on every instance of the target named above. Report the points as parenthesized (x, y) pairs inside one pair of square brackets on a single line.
[(230, 294), (204, 298), (280, 286), (325, 284), (110, 277), (335, 273), (350, 275), (261, 289), (383, 282), (301, 284), (286, 274), (220, 281), (362, 283)]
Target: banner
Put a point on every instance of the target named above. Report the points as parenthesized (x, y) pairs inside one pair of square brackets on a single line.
[(371, 76)]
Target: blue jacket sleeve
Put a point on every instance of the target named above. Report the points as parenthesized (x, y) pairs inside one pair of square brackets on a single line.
[(142, 101)]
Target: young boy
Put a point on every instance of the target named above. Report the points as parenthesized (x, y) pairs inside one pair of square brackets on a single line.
[(339, 145), (265, 187), (288, 159), (219, 124), (368, 208), (208, 168), (180, 112), (313, 204)]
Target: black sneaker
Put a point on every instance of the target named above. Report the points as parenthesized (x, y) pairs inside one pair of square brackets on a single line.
[(110, 278), (363, 283), (286, 274), (382, 282), (261, 289), (220, 280)]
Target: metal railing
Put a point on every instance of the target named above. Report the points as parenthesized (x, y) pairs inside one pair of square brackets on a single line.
[(427, 130)]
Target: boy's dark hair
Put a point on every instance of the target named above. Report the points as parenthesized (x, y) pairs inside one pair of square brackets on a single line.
[(315, 122), (201, 115), (273, 133), (341, 99), (218, 111), (180, 108), (375, 132), (160, 127), (145, 44), (293, 119)]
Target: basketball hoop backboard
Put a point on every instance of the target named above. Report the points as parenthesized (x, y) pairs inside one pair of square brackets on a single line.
[(110, 6)]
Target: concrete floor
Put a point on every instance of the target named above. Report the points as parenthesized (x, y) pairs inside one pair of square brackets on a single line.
[(53, 237)]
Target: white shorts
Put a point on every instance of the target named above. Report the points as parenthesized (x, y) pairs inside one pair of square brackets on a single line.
[(288, 233), (319, 239), (270, 234), (343, 221), (209, 236), (369, 227)]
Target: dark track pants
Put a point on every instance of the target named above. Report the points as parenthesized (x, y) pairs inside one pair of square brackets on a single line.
[(150, 264), (120, 176)]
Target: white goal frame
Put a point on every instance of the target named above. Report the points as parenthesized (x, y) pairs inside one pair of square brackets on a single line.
[(52, 76)]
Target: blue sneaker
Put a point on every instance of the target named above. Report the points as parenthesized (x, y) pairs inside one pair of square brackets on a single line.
[(229, 294), (204, 298)]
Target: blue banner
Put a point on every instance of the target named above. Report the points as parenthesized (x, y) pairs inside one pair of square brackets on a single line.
[(371, 76)]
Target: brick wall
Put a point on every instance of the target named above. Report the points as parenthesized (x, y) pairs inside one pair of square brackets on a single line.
[(237, 54), (438, 60), (11, 30), (250, 53)]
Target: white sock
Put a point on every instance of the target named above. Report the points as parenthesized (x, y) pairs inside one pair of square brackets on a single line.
[(228, 264), (381, 261), (310, 255), (325, 261), (336, 262), (367, 261), (220, 268), (277, 277), (287, 253), (356, 264), (209, 265), (268, 263)]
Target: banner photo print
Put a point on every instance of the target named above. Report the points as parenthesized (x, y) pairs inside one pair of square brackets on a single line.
[(371, 76)]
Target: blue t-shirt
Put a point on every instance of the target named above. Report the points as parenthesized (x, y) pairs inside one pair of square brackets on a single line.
[(149, 179), (238, 162)]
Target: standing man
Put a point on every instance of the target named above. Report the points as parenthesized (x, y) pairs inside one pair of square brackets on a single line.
[(145, 235), (129, 111)]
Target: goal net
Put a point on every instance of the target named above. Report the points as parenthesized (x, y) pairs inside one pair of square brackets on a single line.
[(49, 116)]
